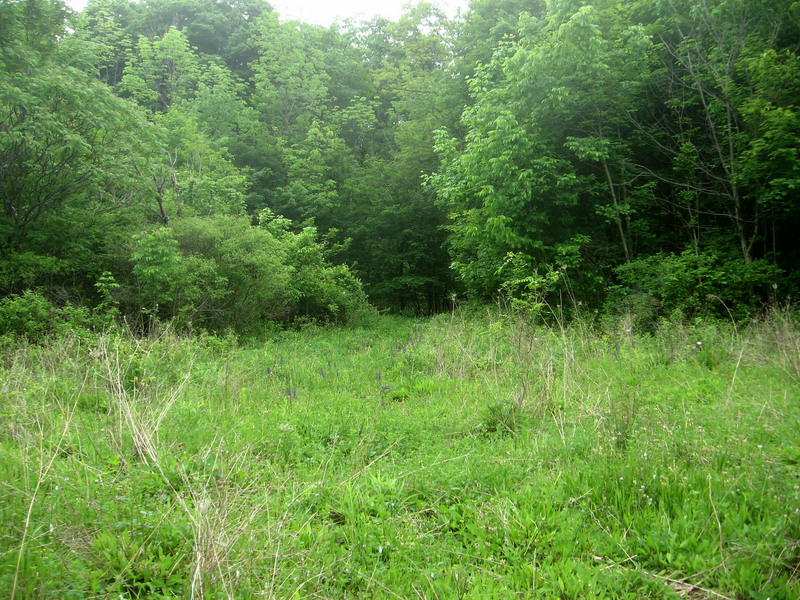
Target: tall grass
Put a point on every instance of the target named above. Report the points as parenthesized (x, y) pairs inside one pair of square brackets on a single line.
[(460, 456)]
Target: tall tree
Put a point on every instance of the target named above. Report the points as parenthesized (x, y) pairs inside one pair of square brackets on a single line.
[(164, 71), (398, 240), (70, 153), (542, 167), (289, 77), (716, 119)]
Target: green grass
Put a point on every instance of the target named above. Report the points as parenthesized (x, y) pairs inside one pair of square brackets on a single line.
[(454, 457)]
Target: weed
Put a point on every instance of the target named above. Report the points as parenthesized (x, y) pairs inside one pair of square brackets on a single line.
[(465, 456), (504, 418)]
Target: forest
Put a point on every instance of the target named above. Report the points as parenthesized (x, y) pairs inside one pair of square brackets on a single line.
[(204, 162)]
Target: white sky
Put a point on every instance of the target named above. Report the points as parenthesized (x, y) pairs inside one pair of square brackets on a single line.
[(322, 12), (325, 12)]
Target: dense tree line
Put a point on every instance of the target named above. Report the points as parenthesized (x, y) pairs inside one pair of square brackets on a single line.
[(647, 149), (202, 160)]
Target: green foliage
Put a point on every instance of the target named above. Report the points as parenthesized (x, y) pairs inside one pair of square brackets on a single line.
[(221, 272), (513, 184), (27, 316), (574, 117), (503, 418), (604, 138), (720, 128), (156, 262), (107, 310), (524, 291), (203, 180), (163, 72), (68, 145), (72, 160), (476, 457), (289, 78), (31, 316), (319, 289), (689, 284), (139, 569), (227, 276), (20, 270)]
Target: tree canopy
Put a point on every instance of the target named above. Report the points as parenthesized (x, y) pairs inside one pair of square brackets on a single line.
[(227, 168)]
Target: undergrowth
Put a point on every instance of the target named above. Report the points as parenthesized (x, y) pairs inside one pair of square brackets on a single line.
[(456, 457)]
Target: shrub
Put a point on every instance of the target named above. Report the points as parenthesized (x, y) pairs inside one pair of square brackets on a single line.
[(232, 275), (28, 315), (156, 264), (689, 283), (223, 273), (33, 317), (321, 290)]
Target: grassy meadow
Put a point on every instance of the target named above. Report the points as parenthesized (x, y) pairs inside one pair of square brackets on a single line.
[(479, 456)]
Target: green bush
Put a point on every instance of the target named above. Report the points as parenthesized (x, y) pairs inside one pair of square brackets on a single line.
[(320, 290), (28, 315), (156, 264), (33, 317), (231, 275), (221, 273), (687, 284)]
